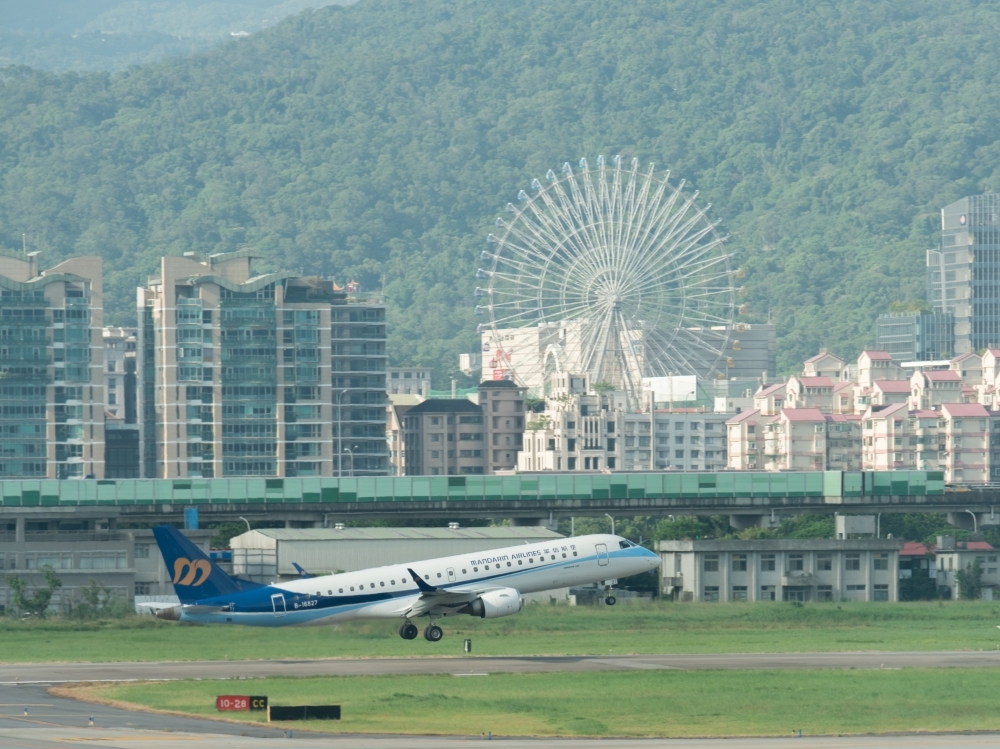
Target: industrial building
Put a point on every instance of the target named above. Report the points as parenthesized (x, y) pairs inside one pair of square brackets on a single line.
[(52, 398), (125, 562), (272, 375), (780, 570), (268, 554)]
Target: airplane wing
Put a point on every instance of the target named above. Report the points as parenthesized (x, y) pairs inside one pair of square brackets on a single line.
[(432, 597)]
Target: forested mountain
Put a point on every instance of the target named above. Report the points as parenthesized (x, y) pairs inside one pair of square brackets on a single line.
[(61, 35), (384, 138)]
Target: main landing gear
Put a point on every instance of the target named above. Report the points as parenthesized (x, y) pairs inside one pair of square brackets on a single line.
[(432, 632)]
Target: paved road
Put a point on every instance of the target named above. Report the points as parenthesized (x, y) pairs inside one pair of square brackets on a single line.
[(51, 673), (56, 723)]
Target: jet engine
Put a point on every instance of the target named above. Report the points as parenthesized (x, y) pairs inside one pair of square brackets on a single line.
[(495, 604)]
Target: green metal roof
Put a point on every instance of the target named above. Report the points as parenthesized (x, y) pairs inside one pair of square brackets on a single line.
[(520, 487), (515, 533)]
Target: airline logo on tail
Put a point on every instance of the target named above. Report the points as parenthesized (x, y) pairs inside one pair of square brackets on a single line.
[(190, 573)]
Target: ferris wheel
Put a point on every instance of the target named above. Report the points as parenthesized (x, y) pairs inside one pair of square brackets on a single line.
[(611, 272)]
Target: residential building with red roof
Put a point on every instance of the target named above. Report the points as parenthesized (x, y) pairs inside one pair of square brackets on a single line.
[(770, 399), (843, 442), (824, 364), (952, 556), (745, 441), (809, 392), (795, 440), (931, 389), (888, 392), (969, 367), (878, 365)]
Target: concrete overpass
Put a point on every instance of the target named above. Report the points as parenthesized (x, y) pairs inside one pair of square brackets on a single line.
[(749, 498)]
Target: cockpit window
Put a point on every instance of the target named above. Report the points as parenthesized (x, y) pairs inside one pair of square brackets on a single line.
[(626, 544)]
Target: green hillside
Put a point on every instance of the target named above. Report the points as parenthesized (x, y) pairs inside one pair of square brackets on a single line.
[(384, 138)]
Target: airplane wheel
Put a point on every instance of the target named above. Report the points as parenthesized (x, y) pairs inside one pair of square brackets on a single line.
[(408, 631), (611, 600), (433, 633)]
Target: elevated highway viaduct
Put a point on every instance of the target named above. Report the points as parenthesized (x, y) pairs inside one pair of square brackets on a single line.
[(749, 498)]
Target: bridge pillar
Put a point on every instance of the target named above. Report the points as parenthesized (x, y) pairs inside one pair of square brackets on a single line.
[(963, 520), (742, 522)]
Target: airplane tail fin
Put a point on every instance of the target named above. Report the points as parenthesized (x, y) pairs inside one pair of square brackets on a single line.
[(194, 575)]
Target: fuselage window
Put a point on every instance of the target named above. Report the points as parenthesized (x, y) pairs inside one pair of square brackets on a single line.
[(295, 598), (564, 555), (531, 560), (508, 564), (341, 590), (392, 582), (574, 553), (381, 584), (372, 585), (439, 574), (553, 556), (329, 592), (427, 577), (519, 562), (352, 587), (464, 572), (475, 569)]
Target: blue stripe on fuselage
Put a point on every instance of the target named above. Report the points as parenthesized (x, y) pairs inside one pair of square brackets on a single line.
[(255, 607)]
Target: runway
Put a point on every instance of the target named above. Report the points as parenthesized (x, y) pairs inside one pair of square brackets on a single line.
[(55, 673), (57, 723)]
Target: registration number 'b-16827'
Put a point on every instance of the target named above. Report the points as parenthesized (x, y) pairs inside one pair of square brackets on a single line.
[(304, 604)]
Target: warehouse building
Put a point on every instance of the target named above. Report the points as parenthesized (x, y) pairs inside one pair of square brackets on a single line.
[(127, 563), (781, 570), (270, 553)]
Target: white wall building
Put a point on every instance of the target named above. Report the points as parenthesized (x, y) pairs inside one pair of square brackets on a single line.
[(780, 570)]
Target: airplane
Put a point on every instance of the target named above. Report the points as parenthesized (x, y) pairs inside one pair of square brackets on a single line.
[(487, 584)]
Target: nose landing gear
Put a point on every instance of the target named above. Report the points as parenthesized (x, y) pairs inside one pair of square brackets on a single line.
[(408, 631), (609, 599)]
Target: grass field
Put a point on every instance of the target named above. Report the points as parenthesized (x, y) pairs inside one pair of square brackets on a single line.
[(538, 630), (648, 703)]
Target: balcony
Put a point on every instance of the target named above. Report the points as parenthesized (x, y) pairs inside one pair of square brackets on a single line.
[(797, 578)]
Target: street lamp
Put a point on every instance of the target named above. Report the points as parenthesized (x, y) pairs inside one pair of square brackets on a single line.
[(245, 521), (612, 523), (348, 451), (975, 522)]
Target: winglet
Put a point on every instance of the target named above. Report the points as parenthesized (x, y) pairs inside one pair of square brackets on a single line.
[(424, 587), (302, 573)]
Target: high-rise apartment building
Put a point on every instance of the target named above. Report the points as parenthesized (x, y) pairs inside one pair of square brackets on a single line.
[(51, 356), (121, 424), (924, 336), (272, 375), (963, 275)]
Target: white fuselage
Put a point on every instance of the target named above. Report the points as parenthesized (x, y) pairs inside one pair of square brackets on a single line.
[(390, 592)]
